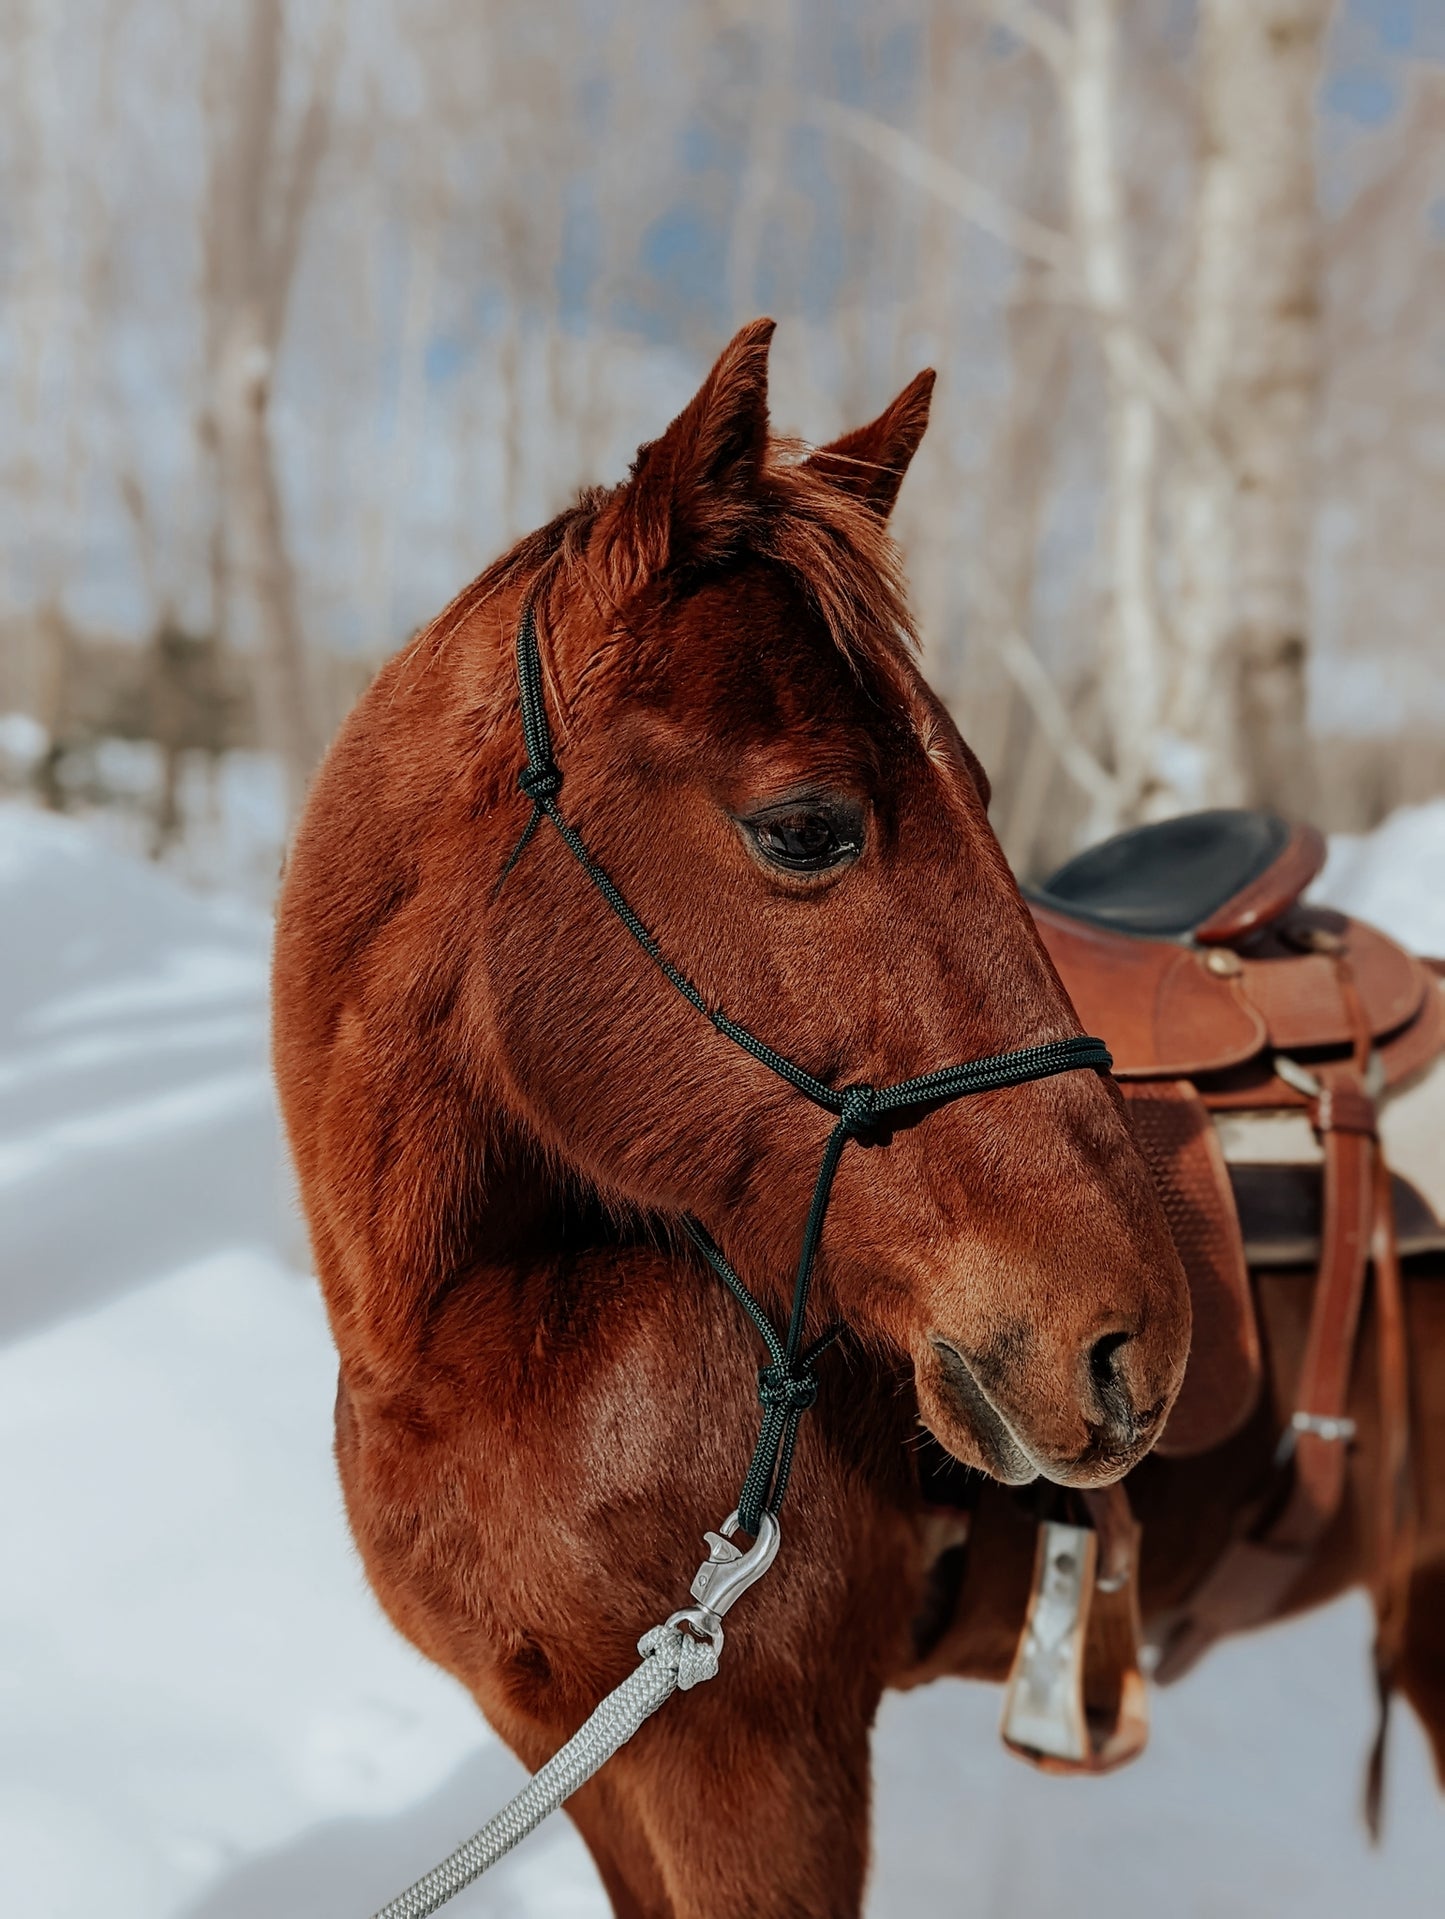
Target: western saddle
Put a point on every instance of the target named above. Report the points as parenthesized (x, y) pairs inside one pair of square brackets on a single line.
[(1239, 1018)]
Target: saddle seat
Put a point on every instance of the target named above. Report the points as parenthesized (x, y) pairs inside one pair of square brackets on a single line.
[(1207, 878)]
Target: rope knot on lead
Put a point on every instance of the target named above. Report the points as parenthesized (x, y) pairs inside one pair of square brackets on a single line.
[(540, 782), (856, 1112), (783, 1391), (693, 1660)]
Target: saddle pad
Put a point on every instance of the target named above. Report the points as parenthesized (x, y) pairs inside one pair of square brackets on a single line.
[(1275, 1167), (1222, 1380)]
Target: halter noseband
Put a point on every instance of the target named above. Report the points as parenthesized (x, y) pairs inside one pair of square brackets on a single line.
[(788, 1385)]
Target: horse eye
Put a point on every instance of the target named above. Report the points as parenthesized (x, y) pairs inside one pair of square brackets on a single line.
[(807, 838)]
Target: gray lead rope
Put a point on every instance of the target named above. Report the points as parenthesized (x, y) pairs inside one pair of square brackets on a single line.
[(679, 1654), (671, 1658), (685, 1650)]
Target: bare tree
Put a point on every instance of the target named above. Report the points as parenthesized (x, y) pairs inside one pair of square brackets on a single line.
[(1208, 704), (256, 207), (1131, 660), (1252, 369), (496, 238)]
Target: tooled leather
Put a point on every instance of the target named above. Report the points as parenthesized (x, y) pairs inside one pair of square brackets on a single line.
[(1158, 1007), (1222, 1379), (1404, 1053), (1300, 999), (1254, 1574), (1401, 1055), (1166, 1013)]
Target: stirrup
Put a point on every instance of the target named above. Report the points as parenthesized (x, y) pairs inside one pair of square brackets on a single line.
[(1076, 1699)]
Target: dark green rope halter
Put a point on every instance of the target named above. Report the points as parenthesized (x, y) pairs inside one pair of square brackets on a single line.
[(787, 1385)]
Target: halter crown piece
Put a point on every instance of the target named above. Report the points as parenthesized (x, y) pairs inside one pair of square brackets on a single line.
[(787, 1385)]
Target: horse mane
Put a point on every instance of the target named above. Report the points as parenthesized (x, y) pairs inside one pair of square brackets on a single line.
[(830, 542)]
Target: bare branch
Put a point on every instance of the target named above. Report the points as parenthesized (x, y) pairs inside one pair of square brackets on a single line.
[(1038, 30), (1139, 360), (1141, 363), (1031, 677), (1033, 682), (976, 202)]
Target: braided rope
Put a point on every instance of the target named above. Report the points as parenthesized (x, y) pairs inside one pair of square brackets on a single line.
[(671, 1660)]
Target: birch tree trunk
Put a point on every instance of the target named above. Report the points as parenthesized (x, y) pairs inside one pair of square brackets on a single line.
[(931, 513), (1131, 665), (1013, 515), (254, 220), (257, 562), (1251, 366)]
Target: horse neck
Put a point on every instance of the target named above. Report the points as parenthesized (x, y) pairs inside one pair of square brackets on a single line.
[(435, 1197)]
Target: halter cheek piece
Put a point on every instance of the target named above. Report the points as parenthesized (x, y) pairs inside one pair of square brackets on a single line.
[(788, 1385)]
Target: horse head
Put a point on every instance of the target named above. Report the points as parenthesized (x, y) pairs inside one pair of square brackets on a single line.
[(751, 752)]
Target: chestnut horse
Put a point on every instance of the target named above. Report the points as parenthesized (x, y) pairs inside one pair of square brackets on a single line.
[(500, 1109)]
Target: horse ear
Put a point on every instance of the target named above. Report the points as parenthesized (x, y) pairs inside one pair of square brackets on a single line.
[(690, 490), (872, 460)]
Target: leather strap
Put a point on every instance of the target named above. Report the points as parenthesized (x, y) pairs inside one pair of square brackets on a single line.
[(1395, 1547), (1117, 1531), (1253, 1576), (1344, 1117)]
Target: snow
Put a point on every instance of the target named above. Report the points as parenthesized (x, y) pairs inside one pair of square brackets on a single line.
[(1394, 877), (205, 1715)]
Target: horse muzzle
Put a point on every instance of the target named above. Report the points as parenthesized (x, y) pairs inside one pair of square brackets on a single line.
[(1091, 1442)]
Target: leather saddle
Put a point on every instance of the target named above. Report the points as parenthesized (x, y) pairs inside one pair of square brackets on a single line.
[(1187, 946), (1237, 1014)]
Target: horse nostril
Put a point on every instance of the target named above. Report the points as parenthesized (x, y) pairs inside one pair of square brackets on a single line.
[(1101, 1359), (1109, 1389)]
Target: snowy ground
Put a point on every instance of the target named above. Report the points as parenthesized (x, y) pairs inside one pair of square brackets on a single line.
[(205, 1716)]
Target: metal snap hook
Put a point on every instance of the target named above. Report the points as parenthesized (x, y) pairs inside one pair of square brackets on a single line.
[(726, 1574)]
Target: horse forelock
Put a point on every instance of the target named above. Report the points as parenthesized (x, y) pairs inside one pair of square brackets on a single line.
[(838, 549), (830, 544)]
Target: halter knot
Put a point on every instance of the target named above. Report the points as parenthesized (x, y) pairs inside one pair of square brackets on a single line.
[(540, 782), (857, 1109), (782, 1391)]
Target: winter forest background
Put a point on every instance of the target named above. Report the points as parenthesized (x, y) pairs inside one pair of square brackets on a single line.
[(308, 308)]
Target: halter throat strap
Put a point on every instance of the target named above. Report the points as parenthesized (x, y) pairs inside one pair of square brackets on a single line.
[(787, 1385)]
